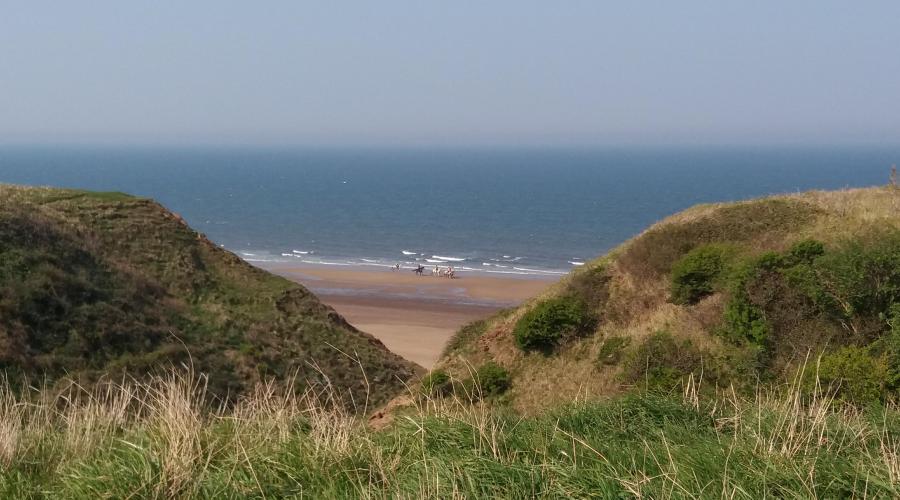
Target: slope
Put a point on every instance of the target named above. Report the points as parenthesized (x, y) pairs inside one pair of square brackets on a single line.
[(737, 294), (97, 284)]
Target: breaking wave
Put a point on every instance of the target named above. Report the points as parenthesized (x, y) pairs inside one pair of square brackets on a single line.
[(448, 259)]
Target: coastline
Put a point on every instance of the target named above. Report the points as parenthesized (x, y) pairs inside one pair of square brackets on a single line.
[(413, 315)]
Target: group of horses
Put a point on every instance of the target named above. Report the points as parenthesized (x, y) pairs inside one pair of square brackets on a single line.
[(437, 271)]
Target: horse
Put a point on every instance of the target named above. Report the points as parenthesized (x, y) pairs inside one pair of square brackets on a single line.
[(419, 270)]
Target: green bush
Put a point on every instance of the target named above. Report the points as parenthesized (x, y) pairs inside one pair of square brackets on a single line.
[(861, 279), (611, 350), (745, 321), (805, 251), (694, 276), (661, 361), (492, 378), (769, 261), (551, 322), (437, 383), (854, 374)]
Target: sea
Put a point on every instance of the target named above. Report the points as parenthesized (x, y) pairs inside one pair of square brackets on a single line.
[(522, 212)]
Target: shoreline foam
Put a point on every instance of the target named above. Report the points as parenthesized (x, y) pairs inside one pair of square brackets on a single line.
[(506, 265)]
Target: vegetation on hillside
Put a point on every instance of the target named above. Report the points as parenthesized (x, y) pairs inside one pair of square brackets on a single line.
[(552, 322), (161, 439), (744, 350), (94, 285), (739, 294)]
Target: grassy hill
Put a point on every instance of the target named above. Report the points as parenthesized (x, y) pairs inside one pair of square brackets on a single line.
[(744, 350), (736, 294), (96, 284)]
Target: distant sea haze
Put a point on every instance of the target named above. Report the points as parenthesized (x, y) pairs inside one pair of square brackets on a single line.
[(525, 212)]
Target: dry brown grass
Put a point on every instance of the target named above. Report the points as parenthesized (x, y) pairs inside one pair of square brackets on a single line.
[(176, 406), (91, 416), (11, 414)]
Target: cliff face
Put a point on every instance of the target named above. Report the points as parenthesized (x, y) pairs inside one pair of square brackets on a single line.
[(735, 294), (96, 284)]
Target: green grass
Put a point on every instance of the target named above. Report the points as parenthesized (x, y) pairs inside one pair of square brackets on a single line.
[(465, 336), (160, 440), (97, 284)]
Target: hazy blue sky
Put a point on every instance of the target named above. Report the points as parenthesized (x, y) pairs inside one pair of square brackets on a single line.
[(450, 72)]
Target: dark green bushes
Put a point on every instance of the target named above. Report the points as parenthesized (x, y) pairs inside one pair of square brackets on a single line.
[(694, 276), (853, 285), (743, 319), (856, 283), (661, 361), (804, 251), (492, 379), (761, 293), (551, 322), (489, 379), (812, 299)]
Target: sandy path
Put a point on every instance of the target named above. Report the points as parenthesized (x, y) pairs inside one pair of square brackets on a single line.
[(414, 316), (418, 335)]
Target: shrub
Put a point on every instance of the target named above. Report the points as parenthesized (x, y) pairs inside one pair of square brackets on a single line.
[(745, 321), (437, 383), (661, 361), (611, 350), (855, 283), (805, 251), (853, 373), (695, 274), (492, 378), (550, 322), (769, 261)]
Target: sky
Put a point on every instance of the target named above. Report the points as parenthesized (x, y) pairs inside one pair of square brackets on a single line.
[(450, 73)]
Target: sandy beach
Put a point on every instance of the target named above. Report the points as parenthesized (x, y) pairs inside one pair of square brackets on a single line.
[(413, 315)]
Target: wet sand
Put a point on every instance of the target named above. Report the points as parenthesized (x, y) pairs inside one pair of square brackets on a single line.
[(414, 316)]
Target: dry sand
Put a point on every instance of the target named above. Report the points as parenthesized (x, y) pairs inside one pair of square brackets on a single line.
[(414, 316)]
